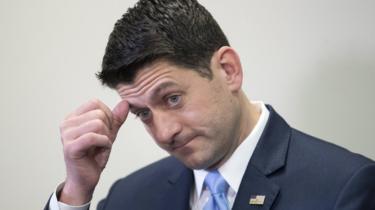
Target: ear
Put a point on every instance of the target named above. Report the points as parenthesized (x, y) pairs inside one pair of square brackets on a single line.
[(228, 66)]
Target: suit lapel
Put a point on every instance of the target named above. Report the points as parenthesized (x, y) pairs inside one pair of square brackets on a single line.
[(255, 184), (176, 193), (268, 157)]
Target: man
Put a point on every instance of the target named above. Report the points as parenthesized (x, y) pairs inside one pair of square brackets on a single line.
[(175, 70)]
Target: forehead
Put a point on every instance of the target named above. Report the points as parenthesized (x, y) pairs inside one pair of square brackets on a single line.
[(152, 79)]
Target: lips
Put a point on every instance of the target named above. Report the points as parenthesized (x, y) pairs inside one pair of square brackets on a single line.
[(177, 144)]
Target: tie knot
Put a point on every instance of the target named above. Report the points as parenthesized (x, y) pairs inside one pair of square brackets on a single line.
[(216, 183)]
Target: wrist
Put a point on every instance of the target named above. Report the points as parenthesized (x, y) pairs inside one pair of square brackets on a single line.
[(74, 195)]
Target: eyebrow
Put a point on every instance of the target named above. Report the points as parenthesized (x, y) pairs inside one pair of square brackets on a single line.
[(155, 92), (161, 87)]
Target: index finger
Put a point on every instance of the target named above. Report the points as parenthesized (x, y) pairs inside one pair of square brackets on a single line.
[(92, 105)]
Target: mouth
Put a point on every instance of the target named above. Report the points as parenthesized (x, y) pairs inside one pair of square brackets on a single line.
[(177, 145)]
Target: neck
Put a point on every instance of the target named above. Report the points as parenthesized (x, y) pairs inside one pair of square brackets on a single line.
[(250, 114)]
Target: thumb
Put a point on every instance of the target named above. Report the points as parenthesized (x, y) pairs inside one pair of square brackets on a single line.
[(119, 113)]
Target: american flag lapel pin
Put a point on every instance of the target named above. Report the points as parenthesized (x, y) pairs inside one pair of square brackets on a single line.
[(257, 199)]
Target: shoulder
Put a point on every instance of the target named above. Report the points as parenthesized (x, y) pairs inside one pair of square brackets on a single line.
[(320, 151), (144, 184), (324, 163), (318, 170)]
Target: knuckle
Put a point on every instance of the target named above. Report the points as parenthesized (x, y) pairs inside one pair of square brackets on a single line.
[(94, 102), (66, 134), (91, 137), (88, 137), (108, 142), (98, 125), (100, 114)]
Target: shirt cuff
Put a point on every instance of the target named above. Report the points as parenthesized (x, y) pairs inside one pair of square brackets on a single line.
[(54, 204)]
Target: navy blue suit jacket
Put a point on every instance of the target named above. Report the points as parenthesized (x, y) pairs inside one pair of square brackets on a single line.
[(293, 170)]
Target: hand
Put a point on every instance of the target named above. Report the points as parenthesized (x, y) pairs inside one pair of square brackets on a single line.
[(87, 135)]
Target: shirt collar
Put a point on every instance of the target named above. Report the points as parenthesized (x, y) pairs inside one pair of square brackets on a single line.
[(234, 169)]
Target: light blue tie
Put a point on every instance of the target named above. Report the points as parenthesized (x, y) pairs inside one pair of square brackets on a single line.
[(218, 188)]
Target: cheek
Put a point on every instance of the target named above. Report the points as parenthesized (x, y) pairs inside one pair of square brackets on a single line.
[(205, 122), (195, 116)]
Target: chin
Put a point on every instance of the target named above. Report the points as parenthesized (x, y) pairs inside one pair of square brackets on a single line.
[(195, 155), (194, 162), (195, 166)]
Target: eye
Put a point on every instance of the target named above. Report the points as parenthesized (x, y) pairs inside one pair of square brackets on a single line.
[(143, 115), (173, 100)]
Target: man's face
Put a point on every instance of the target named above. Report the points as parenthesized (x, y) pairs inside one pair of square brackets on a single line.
[(192, 117)]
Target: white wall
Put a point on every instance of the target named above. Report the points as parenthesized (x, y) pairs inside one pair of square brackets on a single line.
[(312, 60)]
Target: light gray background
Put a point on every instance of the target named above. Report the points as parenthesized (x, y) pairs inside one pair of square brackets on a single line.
[(313, 60)]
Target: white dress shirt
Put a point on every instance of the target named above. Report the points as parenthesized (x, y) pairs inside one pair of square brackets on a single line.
[(232, 170)]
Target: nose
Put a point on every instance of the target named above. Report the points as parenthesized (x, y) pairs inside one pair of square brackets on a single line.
[(166, 127)]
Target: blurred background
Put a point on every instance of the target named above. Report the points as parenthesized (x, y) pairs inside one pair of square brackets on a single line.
[(314, 61)]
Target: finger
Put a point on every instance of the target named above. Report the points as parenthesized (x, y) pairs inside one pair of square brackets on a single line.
[(92, 105), (76, 121), (85, 143), (119, 113), (93, 126)]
